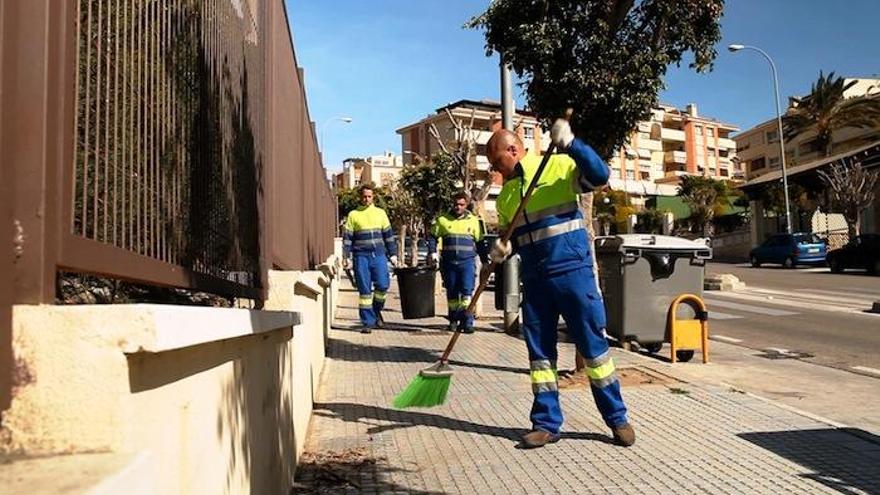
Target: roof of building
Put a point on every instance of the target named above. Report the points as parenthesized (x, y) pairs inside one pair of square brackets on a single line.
[(869, 152)]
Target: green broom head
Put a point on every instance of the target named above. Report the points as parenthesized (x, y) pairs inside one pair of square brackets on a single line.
[(427, 389)]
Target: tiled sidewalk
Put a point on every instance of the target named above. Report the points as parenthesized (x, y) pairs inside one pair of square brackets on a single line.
[(692, 437)]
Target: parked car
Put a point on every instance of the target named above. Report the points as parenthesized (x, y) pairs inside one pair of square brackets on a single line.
[(790, 250), (861, 252)]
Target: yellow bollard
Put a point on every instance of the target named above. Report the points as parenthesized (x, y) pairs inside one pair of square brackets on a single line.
[(688, 334)]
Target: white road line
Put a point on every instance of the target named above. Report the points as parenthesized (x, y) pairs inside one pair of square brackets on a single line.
[(724, 338), (849, 293), (813, 305), (716, 315), (844, 300), (865, 369), (747, 307)]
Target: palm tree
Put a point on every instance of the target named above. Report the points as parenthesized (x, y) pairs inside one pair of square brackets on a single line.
[(706, 198), (825, 110)]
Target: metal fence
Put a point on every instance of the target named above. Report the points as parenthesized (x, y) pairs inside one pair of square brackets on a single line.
[(159, 141)]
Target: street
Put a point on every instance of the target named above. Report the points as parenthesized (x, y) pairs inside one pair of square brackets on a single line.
[(813, 314)]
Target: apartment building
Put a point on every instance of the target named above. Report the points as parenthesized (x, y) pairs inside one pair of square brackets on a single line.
[(670, 144), (382, 170), (484, 117), (758, 147)]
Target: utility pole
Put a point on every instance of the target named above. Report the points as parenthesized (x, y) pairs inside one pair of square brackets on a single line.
[(510, 268)]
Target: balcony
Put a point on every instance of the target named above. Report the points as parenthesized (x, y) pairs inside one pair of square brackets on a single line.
[(726, 143), (482, 163), (672, 135), (675, 157), (650, 145)]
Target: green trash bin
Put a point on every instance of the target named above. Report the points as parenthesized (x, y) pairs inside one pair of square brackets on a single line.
[(640, 275), (416, 285)]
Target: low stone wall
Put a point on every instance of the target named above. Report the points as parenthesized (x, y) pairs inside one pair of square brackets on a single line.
[(208, 400)]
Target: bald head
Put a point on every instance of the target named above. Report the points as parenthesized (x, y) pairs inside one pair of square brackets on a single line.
[(504, 150)]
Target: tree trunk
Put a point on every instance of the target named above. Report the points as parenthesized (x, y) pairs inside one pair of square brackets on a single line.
[(414, 249), (401, 243)]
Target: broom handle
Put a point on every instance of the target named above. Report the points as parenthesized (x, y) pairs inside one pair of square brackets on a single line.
[(508, 233)]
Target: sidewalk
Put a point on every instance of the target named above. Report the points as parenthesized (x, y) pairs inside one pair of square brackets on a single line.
[(693, 436)]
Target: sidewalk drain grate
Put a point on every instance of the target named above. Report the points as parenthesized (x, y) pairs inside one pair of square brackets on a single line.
[(770, 354)]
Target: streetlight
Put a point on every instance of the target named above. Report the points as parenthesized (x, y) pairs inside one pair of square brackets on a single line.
[(735, 48), (346, 120)]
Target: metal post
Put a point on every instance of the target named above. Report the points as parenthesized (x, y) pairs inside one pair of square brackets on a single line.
[(510, 287)]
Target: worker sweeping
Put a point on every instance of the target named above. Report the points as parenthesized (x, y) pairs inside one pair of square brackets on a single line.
[(462, 240), (367, 242), (557, 274)]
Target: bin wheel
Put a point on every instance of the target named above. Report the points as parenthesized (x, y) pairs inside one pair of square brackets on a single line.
[(789, 262), (684, 356), (755, 261), (654, 348)]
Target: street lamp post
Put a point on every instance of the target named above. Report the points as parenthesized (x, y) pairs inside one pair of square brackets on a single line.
[(735, 48), (346, 120)]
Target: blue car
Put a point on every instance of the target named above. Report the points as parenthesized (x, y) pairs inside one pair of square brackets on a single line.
[(790, 250)]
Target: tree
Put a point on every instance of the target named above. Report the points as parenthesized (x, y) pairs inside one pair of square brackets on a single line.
[(430, 186), (404, 214), (706, 197), (826, 110), (852, 189), (604, 58)]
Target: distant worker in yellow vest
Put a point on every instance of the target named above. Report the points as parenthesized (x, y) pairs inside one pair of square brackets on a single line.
[(367, 242), (557, 274), (461, 235)]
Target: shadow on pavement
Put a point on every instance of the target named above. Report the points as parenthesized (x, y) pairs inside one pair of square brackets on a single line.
[(362, 413), (348, 351), (846, 460)]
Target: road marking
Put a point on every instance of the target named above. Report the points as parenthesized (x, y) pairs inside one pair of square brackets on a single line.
[(809, 304), (849, 293), (749, 308), (723, 338), (865, 369), (716, 315), (777, 350)]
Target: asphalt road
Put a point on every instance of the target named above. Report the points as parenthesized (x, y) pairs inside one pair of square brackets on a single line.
[(805, 313)]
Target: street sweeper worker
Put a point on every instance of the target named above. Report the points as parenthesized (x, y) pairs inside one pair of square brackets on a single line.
[(462, 240), (367, 243), (557, 274)]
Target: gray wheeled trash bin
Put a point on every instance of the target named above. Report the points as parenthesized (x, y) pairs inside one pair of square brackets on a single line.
[(640, 275)]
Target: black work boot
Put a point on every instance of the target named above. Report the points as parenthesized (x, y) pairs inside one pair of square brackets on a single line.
[(366, 329), (537, 439), (624, 435)]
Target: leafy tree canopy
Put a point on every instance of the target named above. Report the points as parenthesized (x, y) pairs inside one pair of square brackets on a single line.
[(604, 58)]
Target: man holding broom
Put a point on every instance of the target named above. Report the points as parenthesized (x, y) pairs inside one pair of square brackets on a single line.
[(557, 274)]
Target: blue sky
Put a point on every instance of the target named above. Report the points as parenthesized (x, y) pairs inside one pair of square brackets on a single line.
[(387, 63)]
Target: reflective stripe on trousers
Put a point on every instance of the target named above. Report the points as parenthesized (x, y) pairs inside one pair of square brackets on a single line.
[(544, 376)]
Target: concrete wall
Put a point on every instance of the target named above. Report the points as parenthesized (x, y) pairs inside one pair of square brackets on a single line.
[(209, 400)]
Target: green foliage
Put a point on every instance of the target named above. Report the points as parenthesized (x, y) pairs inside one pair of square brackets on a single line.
[(825, 110), (604, 58), (431, 186), (773, 198), (650, 221), (350, 199), (706, 197)]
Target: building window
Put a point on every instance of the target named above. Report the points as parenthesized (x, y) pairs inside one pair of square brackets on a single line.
[(724, 172), (774, 161), (529, 132), (758, 164), (646, 175), (711, 153), (772, 136), (480, 149), (630, 174), (710, 132), (698, 130)]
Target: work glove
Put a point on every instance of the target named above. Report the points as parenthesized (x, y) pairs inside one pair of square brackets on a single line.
[(435, 259), (393, 261), (346, 264), (500, 251), (561, 135)]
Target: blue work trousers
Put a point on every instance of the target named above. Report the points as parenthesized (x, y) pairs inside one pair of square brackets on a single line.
[(458, 279), (575, 296), (372, 278)]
